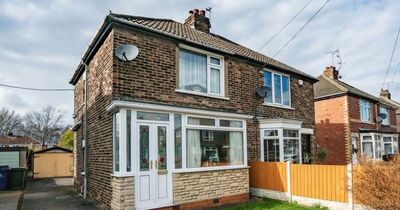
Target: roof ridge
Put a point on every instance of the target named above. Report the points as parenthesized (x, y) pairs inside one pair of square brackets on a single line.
[(141, 17), (333, 82)]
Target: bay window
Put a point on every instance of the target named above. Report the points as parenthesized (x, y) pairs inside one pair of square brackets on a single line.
[(200, 72), (365, 111), (220, 145), (374, 146), (280, 86), (280, 145)]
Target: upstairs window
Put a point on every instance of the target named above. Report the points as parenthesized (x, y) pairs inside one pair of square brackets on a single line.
[(200, 73), (280, 87), (384, 110), (365, 111)]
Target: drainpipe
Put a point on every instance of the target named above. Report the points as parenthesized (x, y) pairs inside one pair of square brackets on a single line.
[(85, 133)]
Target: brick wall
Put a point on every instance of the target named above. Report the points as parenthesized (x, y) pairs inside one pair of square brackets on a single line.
[(123, 189), (198, 186), (152, 77), (330, 126), (99, 142)]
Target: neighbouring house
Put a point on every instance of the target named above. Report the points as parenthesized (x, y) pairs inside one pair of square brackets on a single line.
[(348, 120), (12, 140), (177, 125), (386, 96)]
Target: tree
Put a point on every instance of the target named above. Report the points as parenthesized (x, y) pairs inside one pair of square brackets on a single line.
[(44, 125), (67, 139), (10, 121)]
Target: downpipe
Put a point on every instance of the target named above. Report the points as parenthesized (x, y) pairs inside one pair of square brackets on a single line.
[(85, 133)]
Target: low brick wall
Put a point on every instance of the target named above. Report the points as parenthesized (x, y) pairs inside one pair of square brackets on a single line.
[(198, 186), (123, 196)]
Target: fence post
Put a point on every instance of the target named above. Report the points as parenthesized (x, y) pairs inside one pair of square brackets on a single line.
[(350, 185), (289, 180)]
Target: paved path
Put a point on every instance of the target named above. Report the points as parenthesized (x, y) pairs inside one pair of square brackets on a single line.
[(9, 199), (55, 194)]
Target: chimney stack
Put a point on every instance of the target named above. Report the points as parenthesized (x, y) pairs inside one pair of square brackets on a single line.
[(198, 20), (331, 72), (385, 94)]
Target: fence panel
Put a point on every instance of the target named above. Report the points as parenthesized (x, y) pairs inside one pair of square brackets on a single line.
[(325, 182), (268, 175)]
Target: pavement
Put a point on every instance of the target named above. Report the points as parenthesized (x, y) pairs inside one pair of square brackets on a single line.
[(9, 199), (55, 193)]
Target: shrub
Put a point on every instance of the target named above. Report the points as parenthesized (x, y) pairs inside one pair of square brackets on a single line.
[(376, 184)]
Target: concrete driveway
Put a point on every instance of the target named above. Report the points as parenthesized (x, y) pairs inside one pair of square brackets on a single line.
[(57, 193)]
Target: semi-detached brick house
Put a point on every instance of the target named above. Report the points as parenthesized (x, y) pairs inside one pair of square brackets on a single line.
[(349, 120), (176, 126)]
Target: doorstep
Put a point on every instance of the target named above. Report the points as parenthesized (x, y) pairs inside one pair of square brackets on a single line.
[(9, 199)]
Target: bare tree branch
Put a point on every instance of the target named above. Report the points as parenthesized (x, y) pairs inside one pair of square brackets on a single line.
[(10, 122), (44, 125)]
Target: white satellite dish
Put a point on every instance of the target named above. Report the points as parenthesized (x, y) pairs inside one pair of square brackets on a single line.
[(126, 52)]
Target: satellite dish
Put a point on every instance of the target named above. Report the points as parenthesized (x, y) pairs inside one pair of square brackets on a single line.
[(263, 91), (383, 116), (126, 52)]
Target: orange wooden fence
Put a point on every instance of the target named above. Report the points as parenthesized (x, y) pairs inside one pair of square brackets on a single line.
[(325, 182), (268, 175)]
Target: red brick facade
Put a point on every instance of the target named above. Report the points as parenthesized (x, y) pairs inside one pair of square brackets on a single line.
[(337, 118), (152, 77)]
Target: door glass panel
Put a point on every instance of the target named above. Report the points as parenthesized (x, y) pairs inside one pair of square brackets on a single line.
[(162, 147), (144, 147)]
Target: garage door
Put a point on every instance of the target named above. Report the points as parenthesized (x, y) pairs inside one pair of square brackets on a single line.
[(53, 165)]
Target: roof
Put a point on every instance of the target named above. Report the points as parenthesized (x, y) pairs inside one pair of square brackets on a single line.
[(19, 140), (180, 31), (54, 148), (328, 87)]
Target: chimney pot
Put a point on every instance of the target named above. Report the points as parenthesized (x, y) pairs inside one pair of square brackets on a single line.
[(385, 94), (198, 20)]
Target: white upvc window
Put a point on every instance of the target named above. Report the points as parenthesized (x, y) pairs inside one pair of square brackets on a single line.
[(374, 146), (212, 142), (385, 110), (281, 144), (365, 110), (280, 86), (122, 142), (201, 72)]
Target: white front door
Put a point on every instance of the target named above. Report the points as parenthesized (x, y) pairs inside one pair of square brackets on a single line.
[(154, 177)]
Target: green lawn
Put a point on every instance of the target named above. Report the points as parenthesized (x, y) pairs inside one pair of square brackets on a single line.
[(266, 203)]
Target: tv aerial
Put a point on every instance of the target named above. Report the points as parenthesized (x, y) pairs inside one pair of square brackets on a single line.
[(126, 52), (336, 54)]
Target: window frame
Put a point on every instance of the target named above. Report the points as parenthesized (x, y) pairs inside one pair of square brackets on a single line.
[(281, 139), (210, 65), (382, 143), (217, 127), (273, 103), (362, 106)]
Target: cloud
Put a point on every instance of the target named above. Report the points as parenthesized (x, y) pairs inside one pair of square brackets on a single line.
[(43, 41)]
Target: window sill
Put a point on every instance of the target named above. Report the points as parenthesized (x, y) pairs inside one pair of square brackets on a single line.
[(202, 94), (205, 169), (367, 122), (278, 106), (122, 175)]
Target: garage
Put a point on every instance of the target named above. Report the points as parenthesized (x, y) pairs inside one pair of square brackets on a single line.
[(53, 162)]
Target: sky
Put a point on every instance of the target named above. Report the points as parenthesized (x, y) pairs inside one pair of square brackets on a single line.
[(42, 42)]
